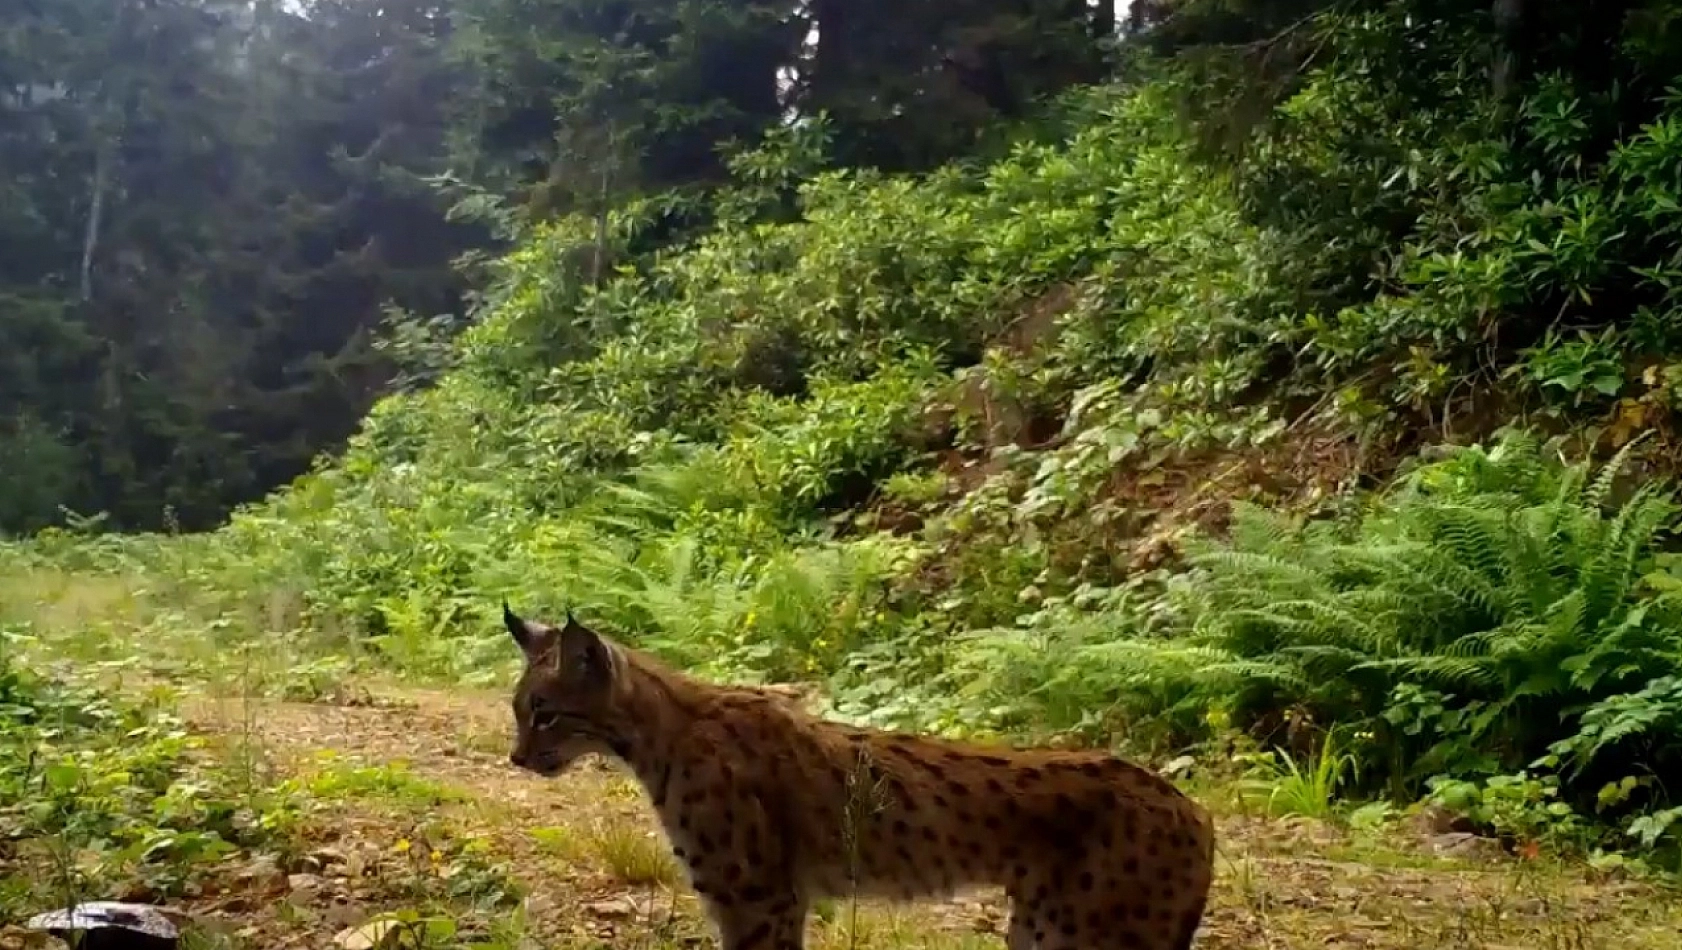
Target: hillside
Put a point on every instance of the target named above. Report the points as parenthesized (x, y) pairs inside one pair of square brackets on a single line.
[(1293, 409), (1020, 447)]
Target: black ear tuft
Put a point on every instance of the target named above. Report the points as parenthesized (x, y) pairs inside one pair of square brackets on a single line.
[(516, 627)]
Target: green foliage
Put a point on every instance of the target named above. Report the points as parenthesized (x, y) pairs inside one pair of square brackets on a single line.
[(108, 795), (1519, 806), (917, 434), (1469, 621), (1310, 790)]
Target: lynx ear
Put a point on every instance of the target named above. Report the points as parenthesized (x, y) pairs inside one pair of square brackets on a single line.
[(584, 651), (518, 628)]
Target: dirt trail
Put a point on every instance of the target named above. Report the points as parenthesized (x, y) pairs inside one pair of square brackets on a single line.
[(1282, 885)]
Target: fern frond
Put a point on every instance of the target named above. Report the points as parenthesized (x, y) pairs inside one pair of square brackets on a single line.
[(1601, 488), (1448, 672)]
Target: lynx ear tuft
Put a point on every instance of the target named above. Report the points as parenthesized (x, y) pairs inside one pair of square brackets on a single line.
[(517, 628)]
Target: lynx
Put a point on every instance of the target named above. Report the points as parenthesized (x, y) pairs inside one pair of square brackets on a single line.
[(769, 808)]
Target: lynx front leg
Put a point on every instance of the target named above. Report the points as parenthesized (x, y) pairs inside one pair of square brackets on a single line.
[(775, 923)]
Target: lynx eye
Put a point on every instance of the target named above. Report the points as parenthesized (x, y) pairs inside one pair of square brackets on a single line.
[(544, 718)]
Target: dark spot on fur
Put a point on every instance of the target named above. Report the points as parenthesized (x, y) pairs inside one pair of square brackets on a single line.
[(1086, 880)]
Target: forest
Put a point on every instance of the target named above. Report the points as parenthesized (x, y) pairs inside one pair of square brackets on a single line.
[(1282, 392)]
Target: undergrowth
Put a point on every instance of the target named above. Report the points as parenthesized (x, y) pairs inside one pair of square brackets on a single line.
[(939, 442), (106, 797), (107, 794)]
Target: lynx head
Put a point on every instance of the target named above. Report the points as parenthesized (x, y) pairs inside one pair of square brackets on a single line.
[(564, 700)]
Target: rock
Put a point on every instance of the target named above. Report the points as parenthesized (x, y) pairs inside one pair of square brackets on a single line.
[(326, 857), (343, 915), (1436, 820), (110, 925), (1179, 767), (613, 907), (303, 885), (1460, 844)]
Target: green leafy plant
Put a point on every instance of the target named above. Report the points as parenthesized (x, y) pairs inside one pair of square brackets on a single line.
[(1307, 789)]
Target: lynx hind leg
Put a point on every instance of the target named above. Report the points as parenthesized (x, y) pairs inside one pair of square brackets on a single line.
[(1092, 926), (1096, 905), (1020, 936)]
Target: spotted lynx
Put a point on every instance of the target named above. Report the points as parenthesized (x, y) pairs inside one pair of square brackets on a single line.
[(769, 808)]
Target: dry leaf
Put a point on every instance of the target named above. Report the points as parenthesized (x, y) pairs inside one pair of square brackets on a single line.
[(374, 933)]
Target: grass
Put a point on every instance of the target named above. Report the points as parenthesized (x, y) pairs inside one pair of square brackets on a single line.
[(398, 809), (1308, 789), (635, 856)]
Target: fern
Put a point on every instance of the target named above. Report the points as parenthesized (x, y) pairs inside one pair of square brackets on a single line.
[(1496, 578)]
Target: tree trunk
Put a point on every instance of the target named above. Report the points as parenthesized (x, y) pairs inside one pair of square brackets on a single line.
[(96, 211), (1503, 71), (1102, 19)]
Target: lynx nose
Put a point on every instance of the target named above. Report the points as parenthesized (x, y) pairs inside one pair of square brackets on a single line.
[(518, 758)]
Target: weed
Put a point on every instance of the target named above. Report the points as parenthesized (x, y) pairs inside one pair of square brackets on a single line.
[(1288, 787), (633, 855)]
